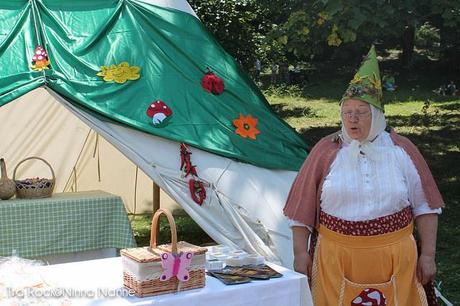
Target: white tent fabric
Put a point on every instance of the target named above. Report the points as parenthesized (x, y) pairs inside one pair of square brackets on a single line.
[(36, 125), (180, 5), (244, 203), (33, 125)]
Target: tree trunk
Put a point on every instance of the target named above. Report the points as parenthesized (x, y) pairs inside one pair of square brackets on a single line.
[(449, 49), (408, 39)]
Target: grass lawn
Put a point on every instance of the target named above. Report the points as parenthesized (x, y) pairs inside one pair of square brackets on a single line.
[(187, 230), (432, 122)]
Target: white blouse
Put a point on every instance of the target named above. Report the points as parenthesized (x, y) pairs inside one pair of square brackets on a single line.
[(374, 188)]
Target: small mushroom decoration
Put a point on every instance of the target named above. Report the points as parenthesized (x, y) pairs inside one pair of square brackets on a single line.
[(40, 59), (370, 297), (160, 113), (212, 83)]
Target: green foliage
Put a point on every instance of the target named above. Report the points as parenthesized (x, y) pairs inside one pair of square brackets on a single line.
[(305, 31), (449, 11), (294, 34), (283, 90), (331, 24), (187, 230), (238, 25), (427, 36), (388, 24), (428, 41)]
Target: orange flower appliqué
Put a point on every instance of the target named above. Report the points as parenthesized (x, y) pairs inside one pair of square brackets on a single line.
[(246, 126)]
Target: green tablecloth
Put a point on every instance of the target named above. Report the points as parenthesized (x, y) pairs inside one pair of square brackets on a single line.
[(66, 222)]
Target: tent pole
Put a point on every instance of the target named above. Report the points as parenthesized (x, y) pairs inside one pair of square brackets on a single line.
[(156, 201), (155, 197)]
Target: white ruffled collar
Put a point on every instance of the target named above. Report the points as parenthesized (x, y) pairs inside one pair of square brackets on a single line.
[(374, 150)]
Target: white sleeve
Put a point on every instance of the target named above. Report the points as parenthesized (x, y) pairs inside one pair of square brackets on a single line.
[(292, 223), (415, 190)]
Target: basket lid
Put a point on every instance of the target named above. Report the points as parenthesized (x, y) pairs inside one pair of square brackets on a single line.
[(183, 246), (146, 254)]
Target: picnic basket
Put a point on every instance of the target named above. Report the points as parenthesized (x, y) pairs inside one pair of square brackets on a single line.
[(144, 267), (32, 188)]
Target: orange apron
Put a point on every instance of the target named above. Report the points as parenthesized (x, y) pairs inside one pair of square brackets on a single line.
[(375, 270)]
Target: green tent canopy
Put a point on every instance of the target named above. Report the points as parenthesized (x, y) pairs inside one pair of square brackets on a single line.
[(173, 51)]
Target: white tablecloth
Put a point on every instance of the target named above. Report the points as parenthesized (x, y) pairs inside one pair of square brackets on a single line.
[(101, 282)]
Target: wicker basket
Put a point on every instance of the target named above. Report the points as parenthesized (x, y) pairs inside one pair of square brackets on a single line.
[(142, 267), (36, 187)]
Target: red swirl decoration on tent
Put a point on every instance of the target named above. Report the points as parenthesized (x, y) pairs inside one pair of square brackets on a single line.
[(196, 187), (197, 191)]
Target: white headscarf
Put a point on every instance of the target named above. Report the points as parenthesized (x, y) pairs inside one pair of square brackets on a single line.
[(354, 147)]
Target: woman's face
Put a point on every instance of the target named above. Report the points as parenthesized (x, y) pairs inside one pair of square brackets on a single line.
[(357, 118)]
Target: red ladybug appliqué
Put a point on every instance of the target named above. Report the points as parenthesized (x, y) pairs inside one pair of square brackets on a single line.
[(370, 297), (159, 112), (212, 83)]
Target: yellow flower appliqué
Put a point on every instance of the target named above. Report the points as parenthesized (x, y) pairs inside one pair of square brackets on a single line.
[(119, 73), (356, 79), (375, 81)]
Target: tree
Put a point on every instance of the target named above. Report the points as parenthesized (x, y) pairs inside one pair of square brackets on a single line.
[(446, 17), (332, 24), (320, 30), (239, 26)]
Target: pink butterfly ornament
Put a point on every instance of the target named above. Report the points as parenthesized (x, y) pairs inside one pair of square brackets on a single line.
[(176, 265)]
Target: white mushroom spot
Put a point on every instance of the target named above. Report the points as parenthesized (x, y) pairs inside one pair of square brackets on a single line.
[(358, 300), (375, 296)]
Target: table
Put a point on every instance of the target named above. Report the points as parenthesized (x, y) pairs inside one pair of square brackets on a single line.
[(101, 283), (64, 223)]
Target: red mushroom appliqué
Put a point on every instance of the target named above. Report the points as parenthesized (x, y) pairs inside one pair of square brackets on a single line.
[(160, 113), (370, 297), (40, 59)]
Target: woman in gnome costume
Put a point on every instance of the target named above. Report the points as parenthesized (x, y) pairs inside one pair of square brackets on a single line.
[(360, 191)]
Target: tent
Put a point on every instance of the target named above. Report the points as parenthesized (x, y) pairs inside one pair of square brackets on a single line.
[(147, 76)]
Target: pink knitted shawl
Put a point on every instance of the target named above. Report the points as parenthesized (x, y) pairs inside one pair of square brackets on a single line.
[(304, 198)]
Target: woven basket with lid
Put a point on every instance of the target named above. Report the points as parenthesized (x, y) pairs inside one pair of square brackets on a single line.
[(142, 267)]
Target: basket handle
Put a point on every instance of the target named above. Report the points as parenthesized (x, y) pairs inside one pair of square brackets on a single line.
[(172, 225), (33, 157)]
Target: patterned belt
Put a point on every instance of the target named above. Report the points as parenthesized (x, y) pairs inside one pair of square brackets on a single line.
[(378, 226)]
